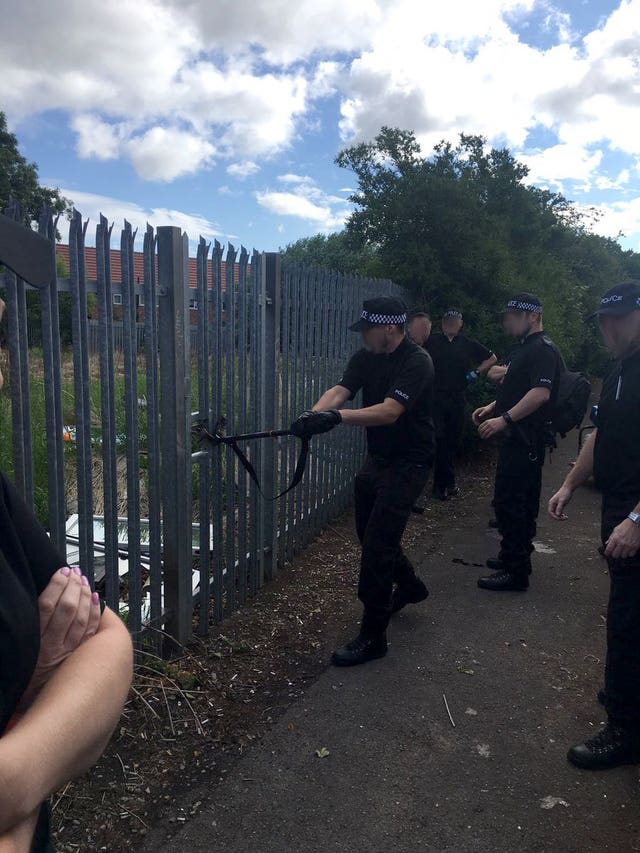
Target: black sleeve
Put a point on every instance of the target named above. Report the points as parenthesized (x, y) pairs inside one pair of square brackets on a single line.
[(42, 557), (543, 368), (414, 376), (478, 352), (353, 376)]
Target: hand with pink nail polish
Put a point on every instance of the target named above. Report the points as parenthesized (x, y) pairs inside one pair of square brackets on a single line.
[(69, 615)]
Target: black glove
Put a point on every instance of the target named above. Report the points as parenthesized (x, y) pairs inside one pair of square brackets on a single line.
[(312, 423)]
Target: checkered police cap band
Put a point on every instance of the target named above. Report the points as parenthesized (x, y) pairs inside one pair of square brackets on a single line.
[(383, 319), (518, 305), (457, 314)]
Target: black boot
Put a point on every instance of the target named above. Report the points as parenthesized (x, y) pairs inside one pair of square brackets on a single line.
[(440, 494), (409, 593), (497, 564), (611, 747), (504, 581), (361, 650)]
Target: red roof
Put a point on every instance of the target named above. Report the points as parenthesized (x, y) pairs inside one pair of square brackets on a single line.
[(62, 250)]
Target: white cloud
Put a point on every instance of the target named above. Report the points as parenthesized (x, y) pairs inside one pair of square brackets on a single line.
[(162, 154), (172, 84), (306, 200), (619, 218), (560, 163), (96, 138), (117, 210), (603, 182), (243, 170)]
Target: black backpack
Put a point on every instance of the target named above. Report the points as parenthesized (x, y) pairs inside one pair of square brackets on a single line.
[(571, 401)]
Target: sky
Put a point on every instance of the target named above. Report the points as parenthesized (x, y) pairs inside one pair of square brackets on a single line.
[(224, 117)]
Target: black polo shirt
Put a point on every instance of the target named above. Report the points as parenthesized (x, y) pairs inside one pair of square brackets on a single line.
[(533, 363), (616, 453), (453, 359), (405, 375)]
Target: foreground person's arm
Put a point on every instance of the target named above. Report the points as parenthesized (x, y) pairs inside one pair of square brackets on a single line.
[(577, 476), (65, 730)]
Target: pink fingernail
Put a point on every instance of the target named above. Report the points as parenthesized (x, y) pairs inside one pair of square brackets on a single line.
[(85, 581), (77, 571), (95, 598), (66, 571)]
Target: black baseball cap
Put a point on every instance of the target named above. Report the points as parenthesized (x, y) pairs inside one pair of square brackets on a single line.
[(452, 312), (27, 253), (523, 301), (619, 301), (381, 311)]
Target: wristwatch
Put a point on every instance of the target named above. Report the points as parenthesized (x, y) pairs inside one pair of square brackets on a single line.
[(635, 517), (507, 418)]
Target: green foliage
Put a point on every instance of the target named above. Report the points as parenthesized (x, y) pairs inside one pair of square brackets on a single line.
[(19, 180), (461, 227), (335, 251)]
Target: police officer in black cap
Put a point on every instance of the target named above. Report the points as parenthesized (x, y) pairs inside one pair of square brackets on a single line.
[(396, 378), (612, 455), (457, 361), (520, 414)]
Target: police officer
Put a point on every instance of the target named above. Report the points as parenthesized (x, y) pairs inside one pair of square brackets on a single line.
[(457, 361), (612, 455), (396, 378), (520, 414)]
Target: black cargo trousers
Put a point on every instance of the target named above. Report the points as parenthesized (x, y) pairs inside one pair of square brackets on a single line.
[(385, 491), (448, 416), (517, 498), (622, 669)]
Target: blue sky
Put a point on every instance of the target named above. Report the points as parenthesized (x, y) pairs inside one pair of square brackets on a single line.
[(225, 117)]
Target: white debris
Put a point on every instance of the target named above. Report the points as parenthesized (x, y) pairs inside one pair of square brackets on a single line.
[(552, 802), (483, 750)]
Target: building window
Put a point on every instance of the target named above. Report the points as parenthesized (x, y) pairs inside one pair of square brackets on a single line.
[(193, 303), (140, 300), (117, 299)]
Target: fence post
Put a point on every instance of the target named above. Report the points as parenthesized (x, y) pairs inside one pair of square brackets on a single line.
[(175, 431), (270, 302)]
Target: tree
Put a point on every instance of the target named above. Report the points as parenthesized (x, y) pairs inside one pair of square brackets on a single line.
[(335, 251), (19, 180), (462, 227)]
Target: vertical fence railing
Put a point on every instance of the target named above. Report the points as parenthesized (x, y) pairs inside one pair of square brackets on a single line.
[(203, 458), (153, 434), (270, 337), (81, 392), (52, 380), (108, 414)]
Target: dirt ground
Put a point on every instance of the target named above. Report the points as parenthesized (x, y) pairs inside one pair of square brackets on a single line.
[(455, 741)]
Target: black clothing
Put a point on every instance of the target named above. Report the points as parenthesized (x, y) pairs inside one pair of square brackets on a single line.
[(516, 501), (616, 453), (533, 363), (405, 375), (394, 473), (616, 460), (28, 560), (384, 494), (449, 412), (453, 359)]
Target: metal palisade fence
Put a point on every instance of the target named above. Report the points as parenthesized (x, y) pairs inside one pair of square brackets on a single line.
[(174, 533)]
